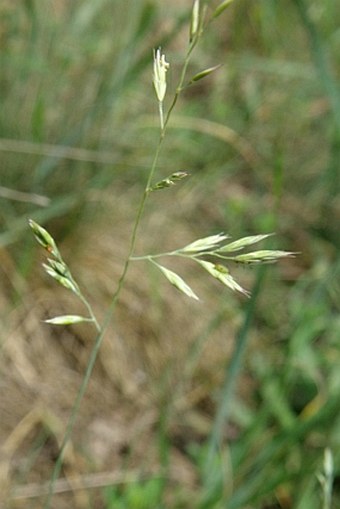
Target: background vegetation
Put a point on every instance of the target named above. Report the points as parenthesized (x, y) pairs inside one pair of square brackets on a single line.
[(218, 404)]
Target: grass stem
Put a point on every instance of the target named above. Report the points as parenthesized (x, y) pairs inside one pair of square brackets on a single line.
[(110, 312)]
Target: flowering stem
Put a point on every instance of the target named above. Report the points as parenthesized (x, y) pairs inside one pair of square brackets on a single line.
[(181, 82), (90, 311), (109, 314)]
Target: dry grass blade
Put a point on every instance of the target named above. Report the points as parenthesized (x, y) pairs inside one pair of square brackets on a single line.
[(89, 481), (57, 151), (13, 194)]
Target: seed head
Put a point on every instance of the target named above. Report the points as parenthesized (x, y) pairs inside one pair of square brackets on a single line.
[(195, 20), (160, 67)]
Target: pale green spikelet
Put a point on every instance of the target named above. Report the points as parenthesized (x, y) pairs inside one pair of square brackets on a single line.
[(195, 20), (223, 275), (169, 181), (177, 281), (67, 320), (204, 244), (222, 7), (240, 244), (44, 238), (202, 74), (264, 256), (160, 68)]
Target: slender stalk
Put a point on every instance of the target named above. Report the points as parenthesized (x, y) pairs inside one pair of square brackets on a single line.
[(161, 114), (327, 479), (179, 252), (102, 331), (85, 302), (90, 311), (110, 312), (157, 255), (181, 82)]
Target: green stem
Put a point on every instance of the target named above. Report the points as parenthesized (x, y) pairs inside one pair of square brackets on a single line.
[(102, 331), (181, 82), (83, 299), (179, 252), (150, 257), (90, 311), (108, 317), (161, 114)]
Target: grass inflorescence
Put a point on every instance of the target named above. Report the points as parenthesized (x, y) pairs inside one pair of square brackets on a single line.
[(184, 121)]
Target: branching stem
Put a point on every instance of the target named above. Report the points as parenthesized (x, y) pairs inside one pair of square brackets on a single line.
[(102, 329)]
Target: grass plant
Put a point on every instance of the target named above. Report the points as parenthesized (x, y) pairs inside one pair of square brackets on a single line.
[(228, 423), (208, 246)]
